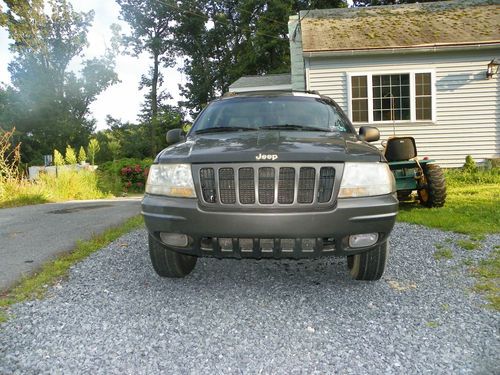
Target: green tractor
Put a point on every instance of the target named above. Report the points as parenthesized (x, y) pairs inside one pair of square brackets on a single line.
[(424, 176)]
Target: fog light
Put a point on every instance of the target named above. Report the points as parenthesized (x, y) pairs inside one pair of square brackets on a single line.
[(362, 240), (174, 239)]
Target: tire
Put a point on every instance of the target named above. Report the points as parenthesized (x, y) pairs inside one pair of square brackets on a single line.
[(169, 263), (370, 266), (434, 194)]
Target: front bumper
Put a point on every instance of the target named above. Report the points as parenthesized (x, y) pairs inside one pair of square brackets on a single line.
[(272, 233)]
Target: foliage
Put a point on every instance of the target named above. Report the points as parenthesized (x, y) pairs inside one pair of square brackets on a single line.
[(151, 23), (70, 155), (124, 175), (471, 205), (69, 184), (48, 102), (10, 157), (58, 159), (92, 149), (134, 178), (470, 164), (82, 156), (222, 40), (35, 286), (488, 274)]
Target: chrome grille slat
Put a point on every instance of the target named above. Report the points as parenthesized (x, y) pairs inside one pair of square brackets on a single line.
[(268, 184), (227, 186), (307, 180), (286, 185)]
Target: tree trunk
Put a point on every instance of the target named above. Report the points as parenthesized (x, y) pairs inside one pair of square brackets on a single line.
[(154, 102)]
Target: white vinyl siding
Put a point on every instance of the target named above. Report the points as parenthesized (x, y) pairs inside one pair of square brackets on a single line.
[(466, 105)]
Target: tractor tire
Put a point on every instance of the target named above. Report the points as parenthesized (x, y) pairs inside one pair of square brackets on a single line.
[(369, 266), (434, 194), (169, 263)]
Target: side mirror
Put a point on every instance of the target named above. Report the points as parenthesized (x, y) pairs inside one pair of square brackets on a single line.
[(174, 136), (369, 133)]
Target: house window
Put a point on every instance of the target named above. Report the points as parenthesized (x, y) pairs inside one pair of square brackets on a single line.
[(391, 97), (423, 96), (359, 99)]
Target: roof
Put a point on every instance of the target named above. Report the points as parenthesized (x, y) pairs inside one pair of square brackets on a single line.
[(443, 23), (267, 82)]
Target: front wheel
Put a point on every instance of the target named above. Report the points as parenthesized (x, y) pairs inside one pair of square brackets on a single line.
[(369, 266), (169, 263)]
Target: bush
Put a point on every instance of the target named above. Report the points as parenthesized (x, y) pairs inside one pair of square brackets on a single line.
[(124, 175)]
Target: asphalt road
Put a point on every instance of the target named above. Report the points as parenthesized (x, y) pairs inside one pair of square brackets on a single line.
[(32, 235)]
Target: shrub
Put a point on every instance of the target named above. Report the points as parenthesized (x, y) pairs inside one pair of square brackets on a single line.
[(92, 149), (124, 175), (470, 164), (82, 156), (58, 158), (70, 156), (134, 177)]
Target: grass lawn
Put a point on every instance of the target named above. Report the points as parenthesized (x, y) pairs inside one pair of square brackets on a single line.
[(469, 209)]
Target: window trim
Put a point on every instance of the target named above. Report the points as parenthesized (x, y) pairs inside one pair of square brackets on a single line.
[(413, 100)]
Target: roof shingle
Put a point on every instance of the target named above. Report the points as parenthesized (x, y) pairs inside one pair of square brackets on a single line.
[(400, 26)]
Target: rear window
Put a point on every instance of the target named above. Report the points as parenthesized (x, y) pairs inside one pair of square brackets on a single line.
[(254, 112)]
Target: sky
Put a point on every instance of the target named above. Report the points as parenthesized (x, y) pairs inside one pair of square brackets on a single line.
[(122, 100)]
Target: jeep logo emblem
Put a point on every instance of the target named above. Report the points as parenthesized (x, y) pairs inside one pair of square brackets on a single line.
[(266, 157)]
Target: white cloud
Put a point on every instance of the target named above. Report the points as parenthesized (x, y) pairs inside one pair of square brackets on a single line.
[(124, 99)]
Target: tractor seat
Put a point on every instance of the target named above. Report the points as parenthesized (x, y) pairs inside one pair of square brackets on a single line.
[(400, 148)]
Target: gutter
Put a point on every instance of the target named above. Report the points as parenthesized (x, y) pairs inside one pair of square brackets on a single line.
[(402, 50)]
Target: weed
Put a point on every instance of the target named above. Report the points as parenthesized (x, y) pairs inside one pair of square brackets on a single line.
[(468, 245), (444, 253), (488, 275), (432, 324)]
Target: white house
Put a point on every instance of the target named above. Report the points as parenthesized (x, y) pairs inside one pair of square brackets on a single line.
[(416, 69)]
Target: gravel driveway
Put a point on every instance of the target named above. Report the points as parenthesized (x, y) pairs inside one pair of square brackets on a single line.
[(114, 315)]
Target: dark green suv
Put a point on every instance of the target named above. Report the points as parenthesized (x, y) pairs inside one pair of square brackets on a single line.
[(270, 175)]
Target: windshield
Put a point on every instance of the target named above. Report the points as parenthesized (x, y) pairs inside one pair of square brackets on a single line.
[(273, 112)]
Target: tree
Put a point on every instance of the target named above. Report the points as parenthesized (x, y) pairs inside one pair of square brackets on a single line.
[(58, 159), (151, 24), (82, 156), (92, 149), (50, 103), (223, 40), (70, 155)]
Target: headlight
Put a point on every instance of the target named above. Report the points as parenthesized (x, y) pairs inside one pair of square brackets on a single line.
[(366, 179), (173, 180)]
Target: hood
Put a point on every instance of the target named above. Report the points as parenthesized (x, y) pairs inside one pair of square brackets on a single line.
[(270, 145)]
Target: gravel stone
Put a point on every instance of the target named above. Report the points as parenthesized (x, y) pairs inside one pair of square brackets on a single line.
[(115, 316)]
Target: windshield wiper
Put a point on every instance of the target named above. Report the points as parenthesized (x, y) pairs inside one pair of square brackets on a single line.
[(218, 129), (294, 127)]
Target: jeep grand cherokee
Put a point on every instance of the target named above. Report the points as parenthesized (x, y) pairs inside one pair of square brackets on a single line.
[(270, 175)]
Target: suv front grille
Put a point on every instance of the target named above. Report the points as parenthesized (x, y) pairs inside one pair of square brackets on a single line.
[(266, 184)]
